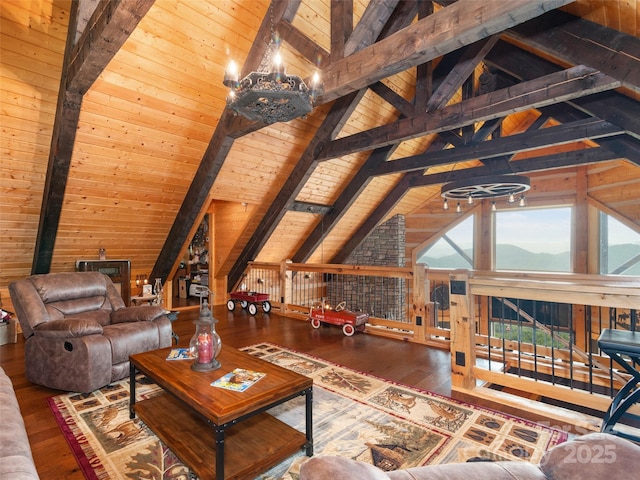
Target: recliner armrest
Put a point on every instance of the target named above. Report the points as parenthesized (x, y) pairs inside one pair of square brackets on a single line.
[(68, 327), (144, 313)]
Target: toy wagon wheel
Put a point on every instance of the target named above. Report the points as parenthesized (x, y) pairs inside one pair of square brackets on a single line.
[(253, 309), (348, 329), (315, 323), (231, 305), (360, 328), (340, 306), (266, 306), (244, 303)]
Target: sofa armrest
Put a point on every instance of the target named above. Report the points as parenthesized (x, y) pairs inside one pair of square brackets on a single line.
[(68, 327), (144, 313)]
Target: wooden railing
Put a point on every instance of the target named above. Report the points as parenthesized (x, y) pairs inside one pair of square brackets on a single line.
[(555, 357), (487, 321)]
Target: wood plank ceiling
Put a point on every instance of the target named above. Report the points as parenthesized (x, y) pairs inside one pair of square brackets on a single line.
[(129, 110)]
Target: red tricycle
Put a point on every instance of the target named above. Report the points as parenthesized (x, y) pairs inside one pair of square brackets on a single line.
[(350, 321), (249, 300)]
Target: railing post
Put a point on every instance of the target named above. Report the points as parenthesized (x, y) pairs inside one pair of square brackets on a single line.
[(285, 285), (419, 314), (463, 328)]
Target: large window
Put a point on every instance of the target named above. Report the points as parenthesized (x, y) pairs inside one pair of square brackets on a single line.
[(453, 250), (619, 247), (533, 239)]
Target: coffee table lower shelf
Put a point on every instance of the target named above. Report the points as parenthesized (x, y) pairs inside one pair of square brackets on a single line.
[(251, 447)]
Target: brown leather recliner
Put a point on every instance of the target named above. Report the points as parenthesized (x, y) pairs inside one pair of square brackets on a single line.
[(78, 332)]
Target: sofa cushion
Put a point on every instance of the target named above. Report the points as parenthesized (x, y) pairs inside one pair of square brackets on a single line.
[(592, 456), (143, 313), (129, 338), (472, 471), (16, 460), (338, 468), (69, 327)]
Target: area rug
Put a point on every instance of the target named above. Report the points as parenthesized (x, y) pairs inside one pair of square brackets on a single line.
[(355, 415)]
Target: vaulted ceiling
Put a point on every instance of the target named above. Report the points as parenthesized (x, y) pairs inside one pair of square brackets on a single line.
[(117, 135)]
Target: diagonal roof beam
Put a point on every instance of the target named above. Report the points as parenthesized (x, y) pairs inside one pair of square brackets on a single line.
[(456, 75), (577, 41), (522, 142), (398, 19), (455, 26), (106, 31), (573, 158), (557, 87), (230, 127), (330, 127)]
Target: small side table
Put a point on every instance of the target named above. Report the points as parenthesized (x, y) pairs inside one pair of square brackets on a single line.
[(619, 344), (143, 298)]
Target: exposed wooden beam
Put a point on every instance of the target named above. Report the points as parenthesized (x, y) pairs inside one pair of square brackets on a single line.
[(341, 25), (472, 56), (370, 26), (228, 129), (400, 18), (349, 195), (530, 165), (107, 29), (462, 23), (308, 48), (392, 98), (379, 156), (522, 142), (610, 105), (578, 41), (561, 86), (330, 127)]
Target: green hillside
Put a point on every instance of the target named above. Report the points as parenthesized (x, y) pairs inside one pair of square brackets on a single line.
[(516, 258)]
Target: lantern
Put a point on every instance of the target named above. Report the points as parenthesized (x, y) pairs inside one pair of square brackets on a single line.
[(205, 345)]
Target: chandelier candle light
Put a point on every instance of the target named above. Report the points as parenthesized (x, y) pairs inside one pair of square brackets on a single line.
[(270, 95)]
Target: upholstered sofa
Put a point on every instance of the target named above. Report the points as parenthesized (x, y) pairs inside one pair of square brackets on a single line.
[(79, 333), (16, 460), (596, 456)]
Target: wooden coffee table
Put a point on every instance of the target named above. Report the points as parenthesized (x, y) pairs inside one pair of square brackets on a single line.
[(220, 433)]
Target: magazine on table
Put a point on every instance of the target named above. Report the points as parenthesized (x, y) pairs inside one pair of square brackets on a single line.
[(180, 354), (238, 380)]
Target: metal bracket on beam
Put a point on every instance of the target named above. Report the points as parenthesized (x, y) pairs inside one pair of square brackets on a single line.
[(309, 208)]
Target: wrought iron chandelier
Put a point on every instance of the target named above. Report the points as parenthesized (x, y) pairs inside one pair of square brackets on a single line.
[(489, 187), (270, 95)]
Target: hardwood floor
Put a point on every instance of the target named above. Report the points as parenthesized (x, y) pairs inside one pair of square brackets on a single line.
[(403, 362)]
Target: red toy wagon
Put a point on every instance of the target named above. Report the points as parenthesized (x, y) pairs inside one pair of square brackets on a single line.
[(350, 321), (249, 300)]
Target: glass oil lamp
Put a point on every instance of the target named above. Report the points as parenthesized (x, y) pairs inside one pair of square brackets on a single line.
[(205, 345)]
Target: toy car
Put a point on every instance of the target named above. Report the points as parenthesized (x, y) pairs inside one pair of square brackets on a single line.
[(350, 321), (249, 300)]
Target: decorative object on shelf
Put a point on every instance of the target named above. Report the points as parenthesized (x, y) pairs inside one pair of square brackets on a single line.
[(270, 95), (102, 253), (205, 345), (140, 281), (158, 291), (489, 187)]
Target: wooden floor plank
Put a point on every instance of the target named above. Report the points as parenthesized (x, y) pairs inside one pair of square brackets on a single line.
[(396, 360)]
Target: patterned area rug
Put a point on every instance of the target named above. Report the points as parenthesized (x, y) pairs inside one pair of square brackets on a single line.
[(355, 415)]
